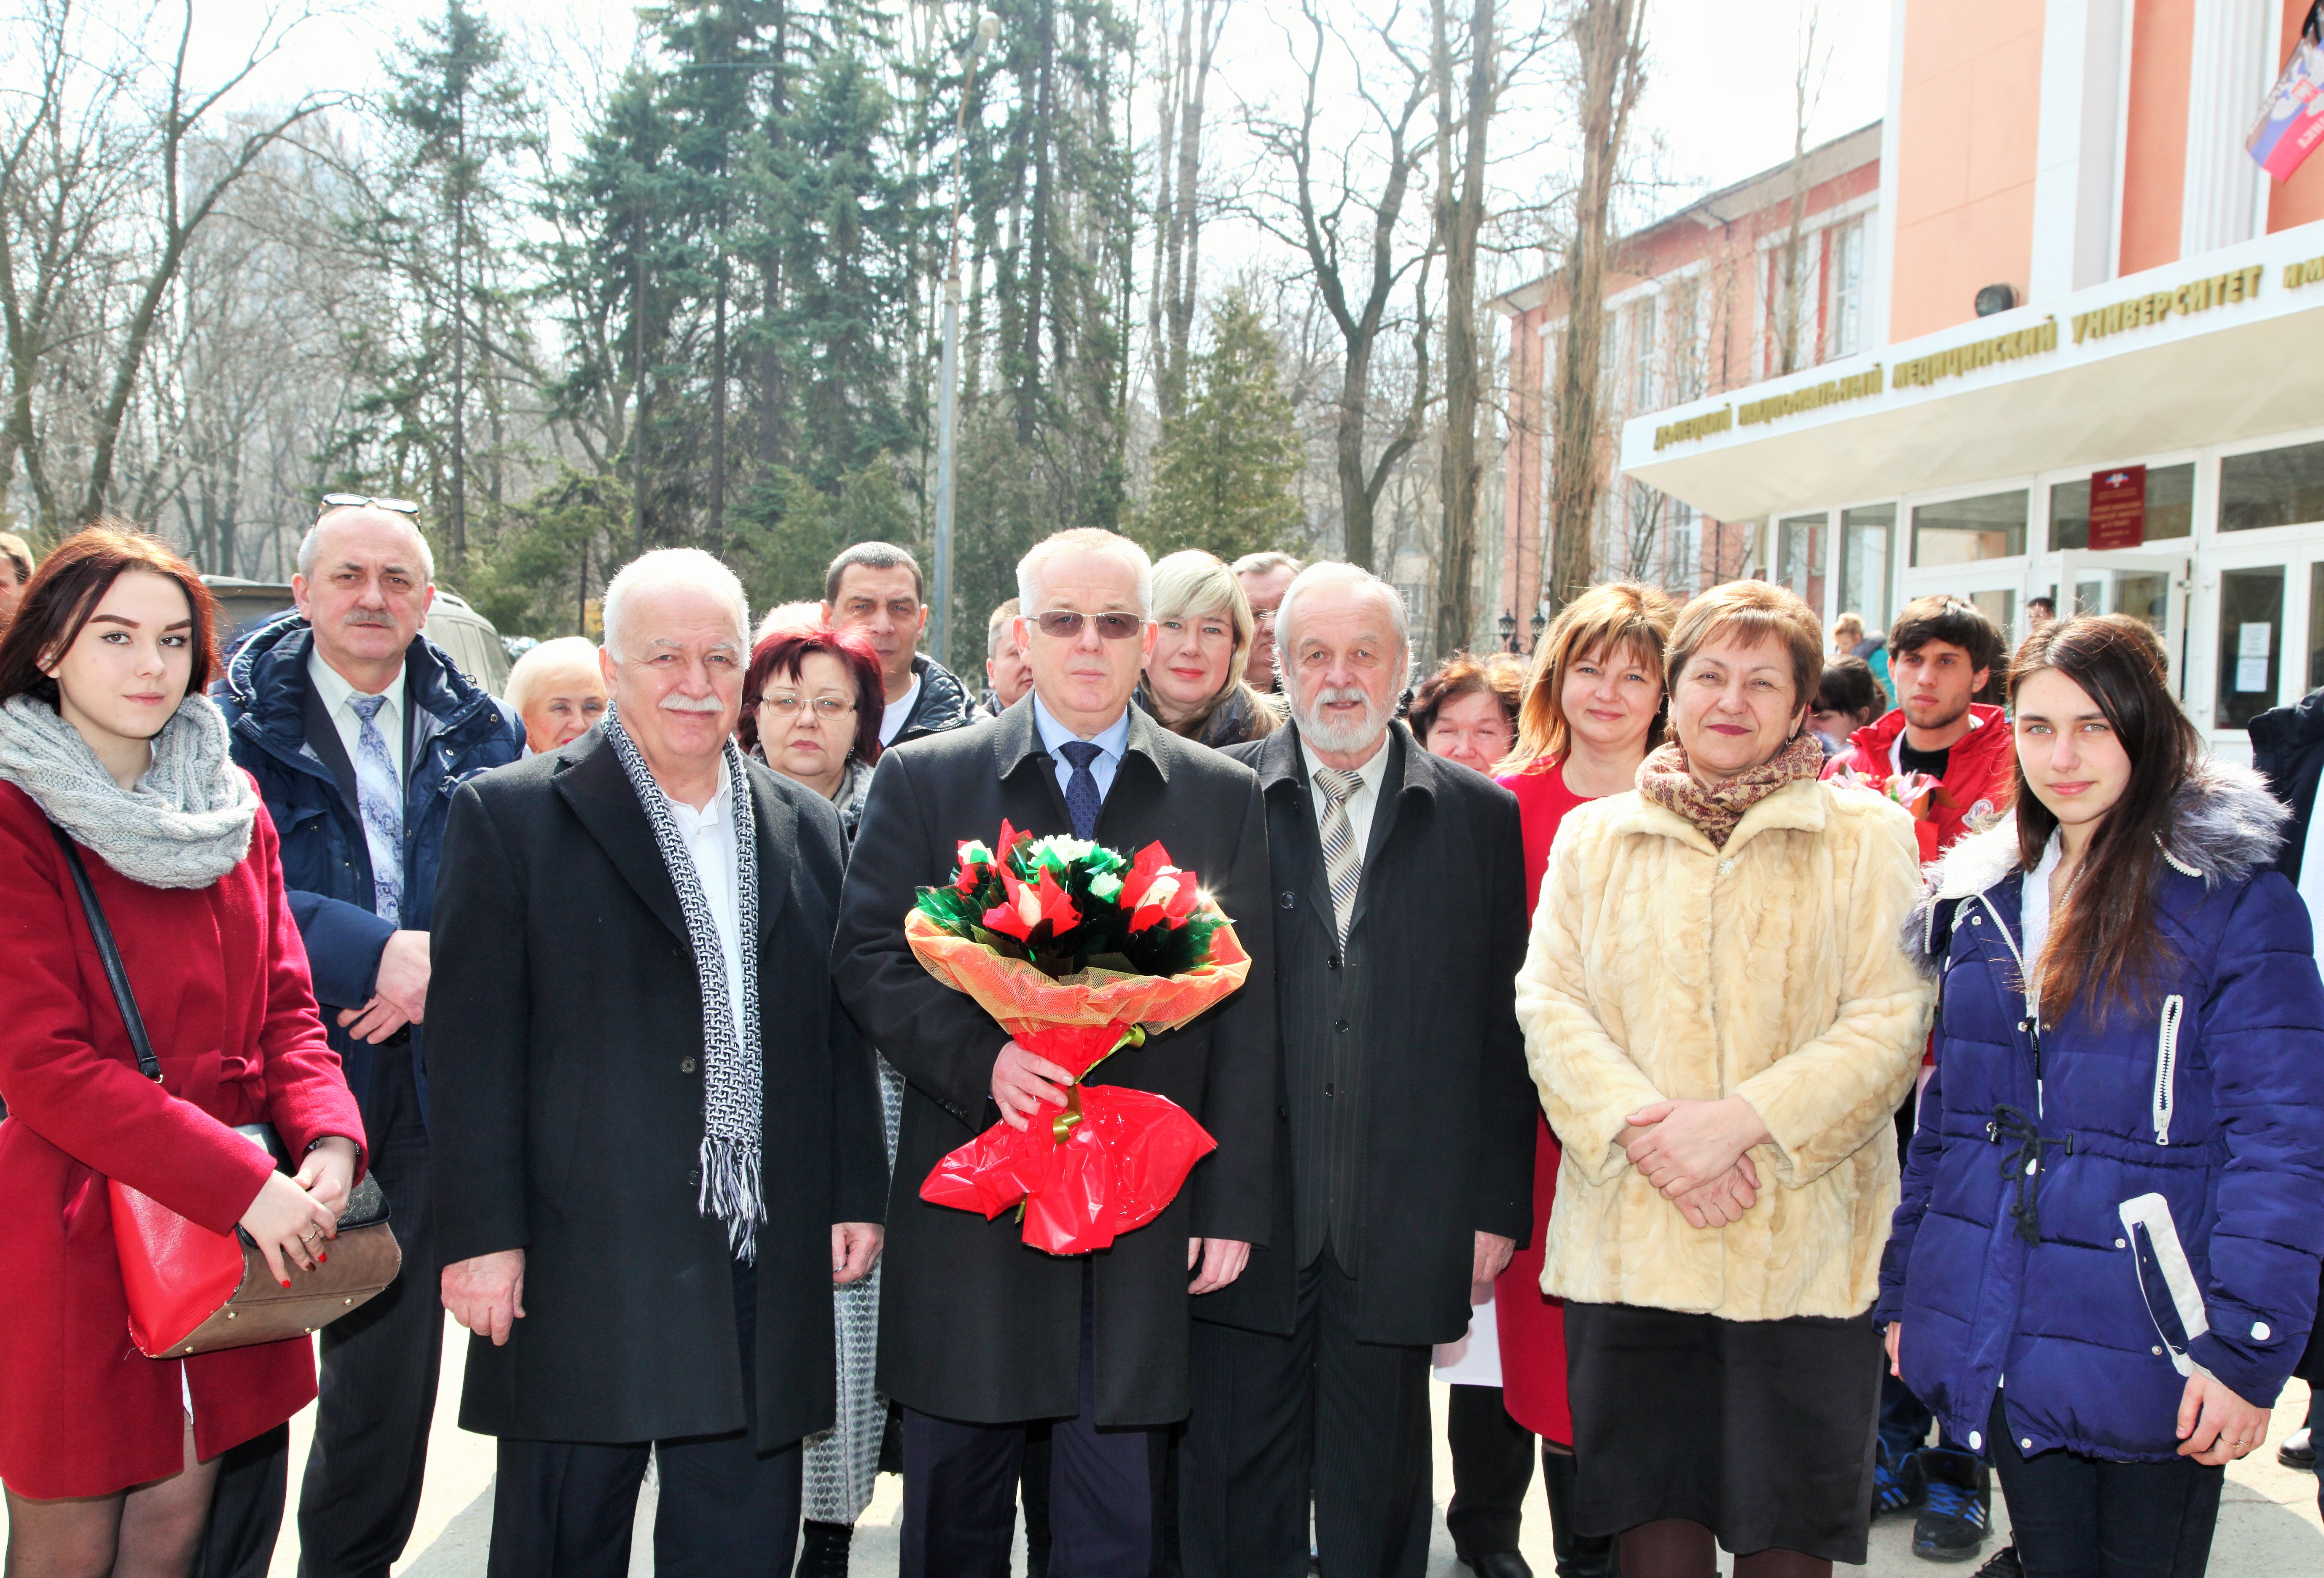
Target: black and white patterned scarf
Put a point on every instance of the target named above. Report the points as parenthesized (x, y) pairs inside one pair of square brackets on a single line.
[(730, 1086)]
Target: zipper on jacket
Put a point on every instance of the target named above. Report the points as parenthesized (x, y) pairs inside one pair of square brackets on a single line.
[(2166, 1065), (2032, 1013)]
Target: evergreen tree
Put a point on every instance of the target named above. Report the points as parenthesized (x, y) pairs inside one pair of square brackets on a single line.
[(1223, 472)]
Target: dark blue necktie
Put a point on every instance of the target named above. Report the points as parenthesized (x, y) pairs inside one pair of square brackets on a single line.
[(1082, 798)]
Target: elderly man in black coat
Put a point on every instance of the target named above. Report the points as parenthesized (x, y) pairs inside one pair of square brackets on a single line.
[(980, 1334), (1404, 1162), (657, 1137)]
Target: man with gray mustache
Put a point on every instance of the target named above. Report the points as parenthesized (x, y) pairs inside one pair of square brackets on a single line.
[(357, 729), (1404, 1138)]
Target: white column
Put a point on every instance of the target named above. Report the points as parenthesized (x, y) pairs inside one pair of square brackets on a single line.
[(2075, 179), (1880, 227), (2232, 66)]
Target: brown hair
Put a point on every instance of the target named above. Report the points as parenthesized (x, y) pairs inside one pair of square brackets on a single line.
[(2105, 948), (784, 651), (70, 585), (1751, 611), (1602, 620), (1497, 674), (1955, 621)]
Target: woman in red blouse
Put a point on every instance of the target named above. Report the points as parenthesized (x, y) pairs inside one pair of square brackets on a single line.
[(109, 1456), (1594, 709)]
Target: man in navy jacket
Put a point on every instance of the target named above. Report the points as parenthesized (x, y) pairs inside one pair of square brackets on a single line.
[(358, 729)]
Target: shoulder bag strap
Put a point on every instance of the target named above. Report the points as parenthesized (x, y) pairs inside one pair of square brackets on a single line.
[(147, 1064)]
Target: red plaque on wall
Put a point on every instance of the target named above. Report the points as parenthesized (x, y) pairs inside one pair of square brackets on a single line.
[(2119, 508)]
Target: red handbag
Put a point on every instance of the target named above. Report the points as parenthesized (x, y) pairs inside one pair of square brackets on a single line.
[(192, 1290)]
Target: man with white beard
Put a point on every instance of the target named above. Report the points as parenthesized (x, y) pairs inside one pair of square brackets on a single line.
[(1406, 1128)]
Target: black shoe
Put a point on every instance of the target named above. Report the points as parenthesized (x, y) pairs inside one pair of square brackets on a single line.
[(1498, 1565), (2002, 1564), (822, 1549), (1959, 1506), (2299, 1450), (1896, 1487)]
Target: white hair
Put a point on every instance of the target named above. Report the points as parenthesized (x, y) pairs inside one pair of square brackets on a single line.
[(1329, 572), (570, 654), (311, 547), (674, 567), (1084, 539)]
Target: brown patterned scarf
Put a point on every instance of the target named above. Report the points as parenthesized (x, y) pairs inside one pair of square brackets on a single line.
[(1663, 780)]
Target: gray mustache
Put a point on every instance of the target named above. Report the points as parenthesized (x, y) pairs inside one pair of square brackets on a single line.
[(690, 704)]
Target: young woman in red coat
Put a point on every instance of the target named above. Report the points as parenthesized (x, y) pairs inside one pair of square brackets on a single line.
[(104, 731), (1594, 709)]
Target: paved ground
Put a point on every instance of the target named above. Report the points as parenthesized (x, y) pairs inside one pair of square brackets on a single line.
[(2268, 1525)]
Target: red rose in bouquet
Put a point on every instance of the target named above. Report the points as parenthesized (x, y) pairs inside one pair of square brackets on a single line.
[(1076, 952)]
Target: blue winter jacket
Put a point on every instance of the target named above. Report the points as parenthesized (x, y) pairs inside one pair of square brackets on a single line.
[(455, 732), (2157, 1202)]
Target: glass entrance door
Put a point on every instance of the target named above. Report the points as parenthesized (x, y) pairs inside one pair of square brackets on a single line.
[(2149, 586)]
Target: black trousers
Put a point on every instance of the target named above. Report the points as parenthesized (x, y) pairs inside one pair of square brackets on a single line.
[(2082, 1518), (1273, 1415), (378, 1378), (961, 1479), (1492, 1470), (565, 1509)]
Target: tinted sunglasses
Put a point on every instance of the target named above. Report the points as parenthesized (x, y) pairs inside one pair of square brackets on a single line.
[(364, 502), (1113, 627)]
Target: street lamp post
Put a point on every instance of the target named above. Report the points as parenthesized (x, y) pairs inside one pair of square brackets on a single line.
[(1507, 625), (1539, 622), (987, 27)]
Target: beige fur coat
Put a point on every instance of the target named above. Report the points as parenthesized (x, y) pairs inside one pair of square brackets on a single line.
[(1661, 967)]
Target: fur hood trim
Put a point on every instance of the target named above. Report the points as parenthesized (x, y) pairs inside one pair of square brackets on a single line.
[(2224, 826)]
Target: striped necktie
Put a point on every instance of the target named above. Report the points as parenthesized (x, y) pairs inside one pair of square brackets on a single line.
[(1342, 860), (380, 802)]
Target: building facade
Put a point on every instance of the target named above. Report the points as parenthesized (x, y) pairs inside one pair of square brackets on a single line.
[(2084, 370)]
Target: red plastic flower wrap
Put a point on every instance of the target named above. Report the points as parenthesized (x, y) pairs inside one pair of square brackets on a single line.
[(1077, 953)]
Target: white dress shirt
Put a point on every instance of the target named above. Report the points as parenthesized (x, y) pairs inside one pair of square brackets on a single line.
[(1359, 805), (1111, 742), (709, 835), (335, 692), (2311, 880)]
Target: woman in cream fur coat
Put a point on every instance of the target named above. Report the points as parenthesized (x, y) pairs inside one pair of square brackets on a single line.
[(1722, 1024)]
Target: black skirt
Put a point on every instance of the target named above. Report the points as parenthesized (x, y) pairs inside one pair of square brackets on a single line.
[(1763, 1431)]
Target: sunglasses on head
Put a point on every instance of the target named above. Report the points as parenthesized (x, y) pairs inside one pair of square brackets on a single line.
[(364, 502), (1113, 627)]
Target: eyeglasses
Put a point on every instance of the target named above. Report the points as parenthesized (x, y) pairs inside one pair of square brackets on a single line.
[(786, 705), (364, 502), (1113, 627)]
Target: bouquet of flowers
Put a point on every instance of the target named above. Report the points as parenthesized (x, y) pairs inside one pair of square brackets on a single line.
[(1076, 952)]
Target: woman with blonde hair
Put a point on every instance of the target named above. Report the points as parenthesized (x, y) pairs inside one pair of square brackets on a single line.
[(558, 689), (1722, 1024), (1194, 682)]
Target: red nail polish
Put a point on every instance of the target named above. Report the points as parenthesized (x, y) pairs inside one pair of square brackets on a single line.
[(320, 1256), (286, 1282)]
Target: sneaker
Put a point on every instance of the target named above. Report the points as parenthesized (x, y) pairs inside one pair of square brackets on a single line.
[(2004, 1563), (1958, 1510), (2298, 1451), (1896, 1487)]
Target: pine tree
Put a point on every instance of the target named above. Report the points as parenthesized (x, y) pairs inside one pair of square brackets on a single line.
[(1223, 472)]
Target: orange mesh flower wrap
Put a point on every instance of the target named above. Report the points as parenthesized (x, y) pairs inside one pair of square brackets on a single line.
[(1111, 1158)]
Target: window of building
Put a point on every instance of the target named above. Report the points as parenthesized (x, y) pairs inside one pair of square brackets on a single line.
[(1642, 355), (2315, 626), (1687, 336), (1865, 536), (2170, 507), (1844, 311), (1682, 549), (2251, 642), (1801, 556), (2273, 488), (1964, 531)]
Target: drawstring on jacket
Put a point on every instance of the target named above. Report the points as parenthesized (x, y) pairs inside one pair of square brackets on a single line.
[(2023, 1161)]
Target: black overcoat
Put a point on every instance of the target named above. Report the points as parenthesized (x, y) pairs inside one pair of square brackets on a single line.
[(1440, 923), (975, 1324), (564, 1105)]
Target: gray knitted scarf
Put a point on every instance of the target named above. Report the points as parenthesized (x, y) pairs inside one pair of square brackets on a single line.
[(730, 1086), (185, 824)]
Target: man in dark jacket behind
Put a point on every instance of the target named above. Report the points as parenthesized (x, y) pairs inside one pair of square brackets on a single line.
[(357, 729), (875, 588), (1403, 1150)]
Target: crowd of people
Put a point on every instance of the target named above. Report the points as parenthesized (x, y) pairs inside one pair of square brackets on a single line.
[(1771, 1108)]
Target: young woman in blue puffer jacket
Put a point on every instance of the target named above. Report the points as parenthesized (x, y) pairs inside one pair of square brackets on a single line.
[(2105, 1265)]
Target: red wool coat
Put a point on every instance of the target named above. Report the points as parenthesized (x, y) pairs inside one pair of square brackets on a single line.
[(221, 978)]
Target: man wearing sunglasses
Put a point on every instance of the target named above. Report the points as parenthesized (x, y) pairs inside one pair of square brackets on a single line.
[(357, 728), (979, 1335)]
